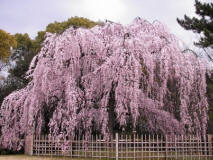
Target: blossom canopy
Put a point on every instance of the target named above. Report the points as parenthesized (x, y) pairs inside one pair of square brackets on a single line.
[(105, 79)]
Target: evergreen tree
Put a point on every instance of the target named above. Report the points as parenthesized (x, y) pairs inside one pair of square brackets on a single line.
[(203, 24)]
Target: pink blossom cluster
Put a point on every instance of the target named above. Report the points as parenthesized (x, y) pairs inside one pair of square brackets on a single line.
[(83, 76)]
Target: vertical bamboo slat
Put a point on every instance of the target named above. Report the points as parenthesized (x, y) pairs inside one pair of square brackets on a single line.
[(205, 149), (210, 144), (126, 146), (99, 146), (92, 146), (134, 145), (198, 147), (121, 146), (39, 142), (108, 147), (158, 147), (142, 147), (166, 147), (182, 138), (116, 137)]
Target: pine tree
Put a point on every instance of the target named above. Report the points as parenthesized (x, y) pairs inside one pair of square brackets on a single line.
[(203, 24)]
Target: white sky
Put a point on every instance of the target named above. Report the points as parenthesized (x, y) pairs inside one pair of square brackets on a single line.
[(30, 16)]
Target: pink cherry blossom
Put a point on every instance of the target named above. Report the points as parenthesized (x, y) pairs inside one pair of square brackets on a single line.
[(134, 75)]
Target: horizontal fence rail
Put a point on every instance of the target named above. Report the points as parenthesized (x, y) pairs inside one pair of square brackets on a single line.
[(144, 147)]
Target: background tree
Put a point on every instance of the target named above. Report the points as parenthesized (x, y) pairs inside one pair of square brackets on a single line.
[(9, 85), (6, 42), (22, 56), (203, 24), (18, 65), (59, 27)]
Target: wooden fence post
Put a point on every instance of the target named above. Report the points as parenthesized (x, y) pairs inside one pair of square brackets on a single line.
[(210, 144), (71, 146), (116, 141), (166, 147), (134, 145), (149, 147), (28, 148), (205, 147), (198, 146), (176, 152)]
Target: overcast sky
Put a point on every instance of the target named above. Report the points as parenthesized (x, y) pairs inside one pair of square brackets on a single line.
[(30, 16)]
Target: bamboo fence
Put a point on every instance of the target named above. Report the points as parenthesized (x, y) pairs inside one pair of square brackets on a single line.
[(120, 147)]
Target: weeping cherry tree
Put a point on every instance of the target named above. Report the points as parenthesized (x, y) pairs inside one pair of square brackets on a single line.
[(108, 79)]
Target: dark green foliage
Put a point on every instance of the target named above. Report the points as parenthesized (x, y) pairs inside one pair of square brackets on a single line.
[(202, 25), (210, 101), (22, 56), (9, 85), (9, 152)]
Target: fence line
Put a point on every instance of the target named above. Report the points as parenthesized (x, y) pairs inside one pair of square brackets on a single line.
[(144, 147)]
